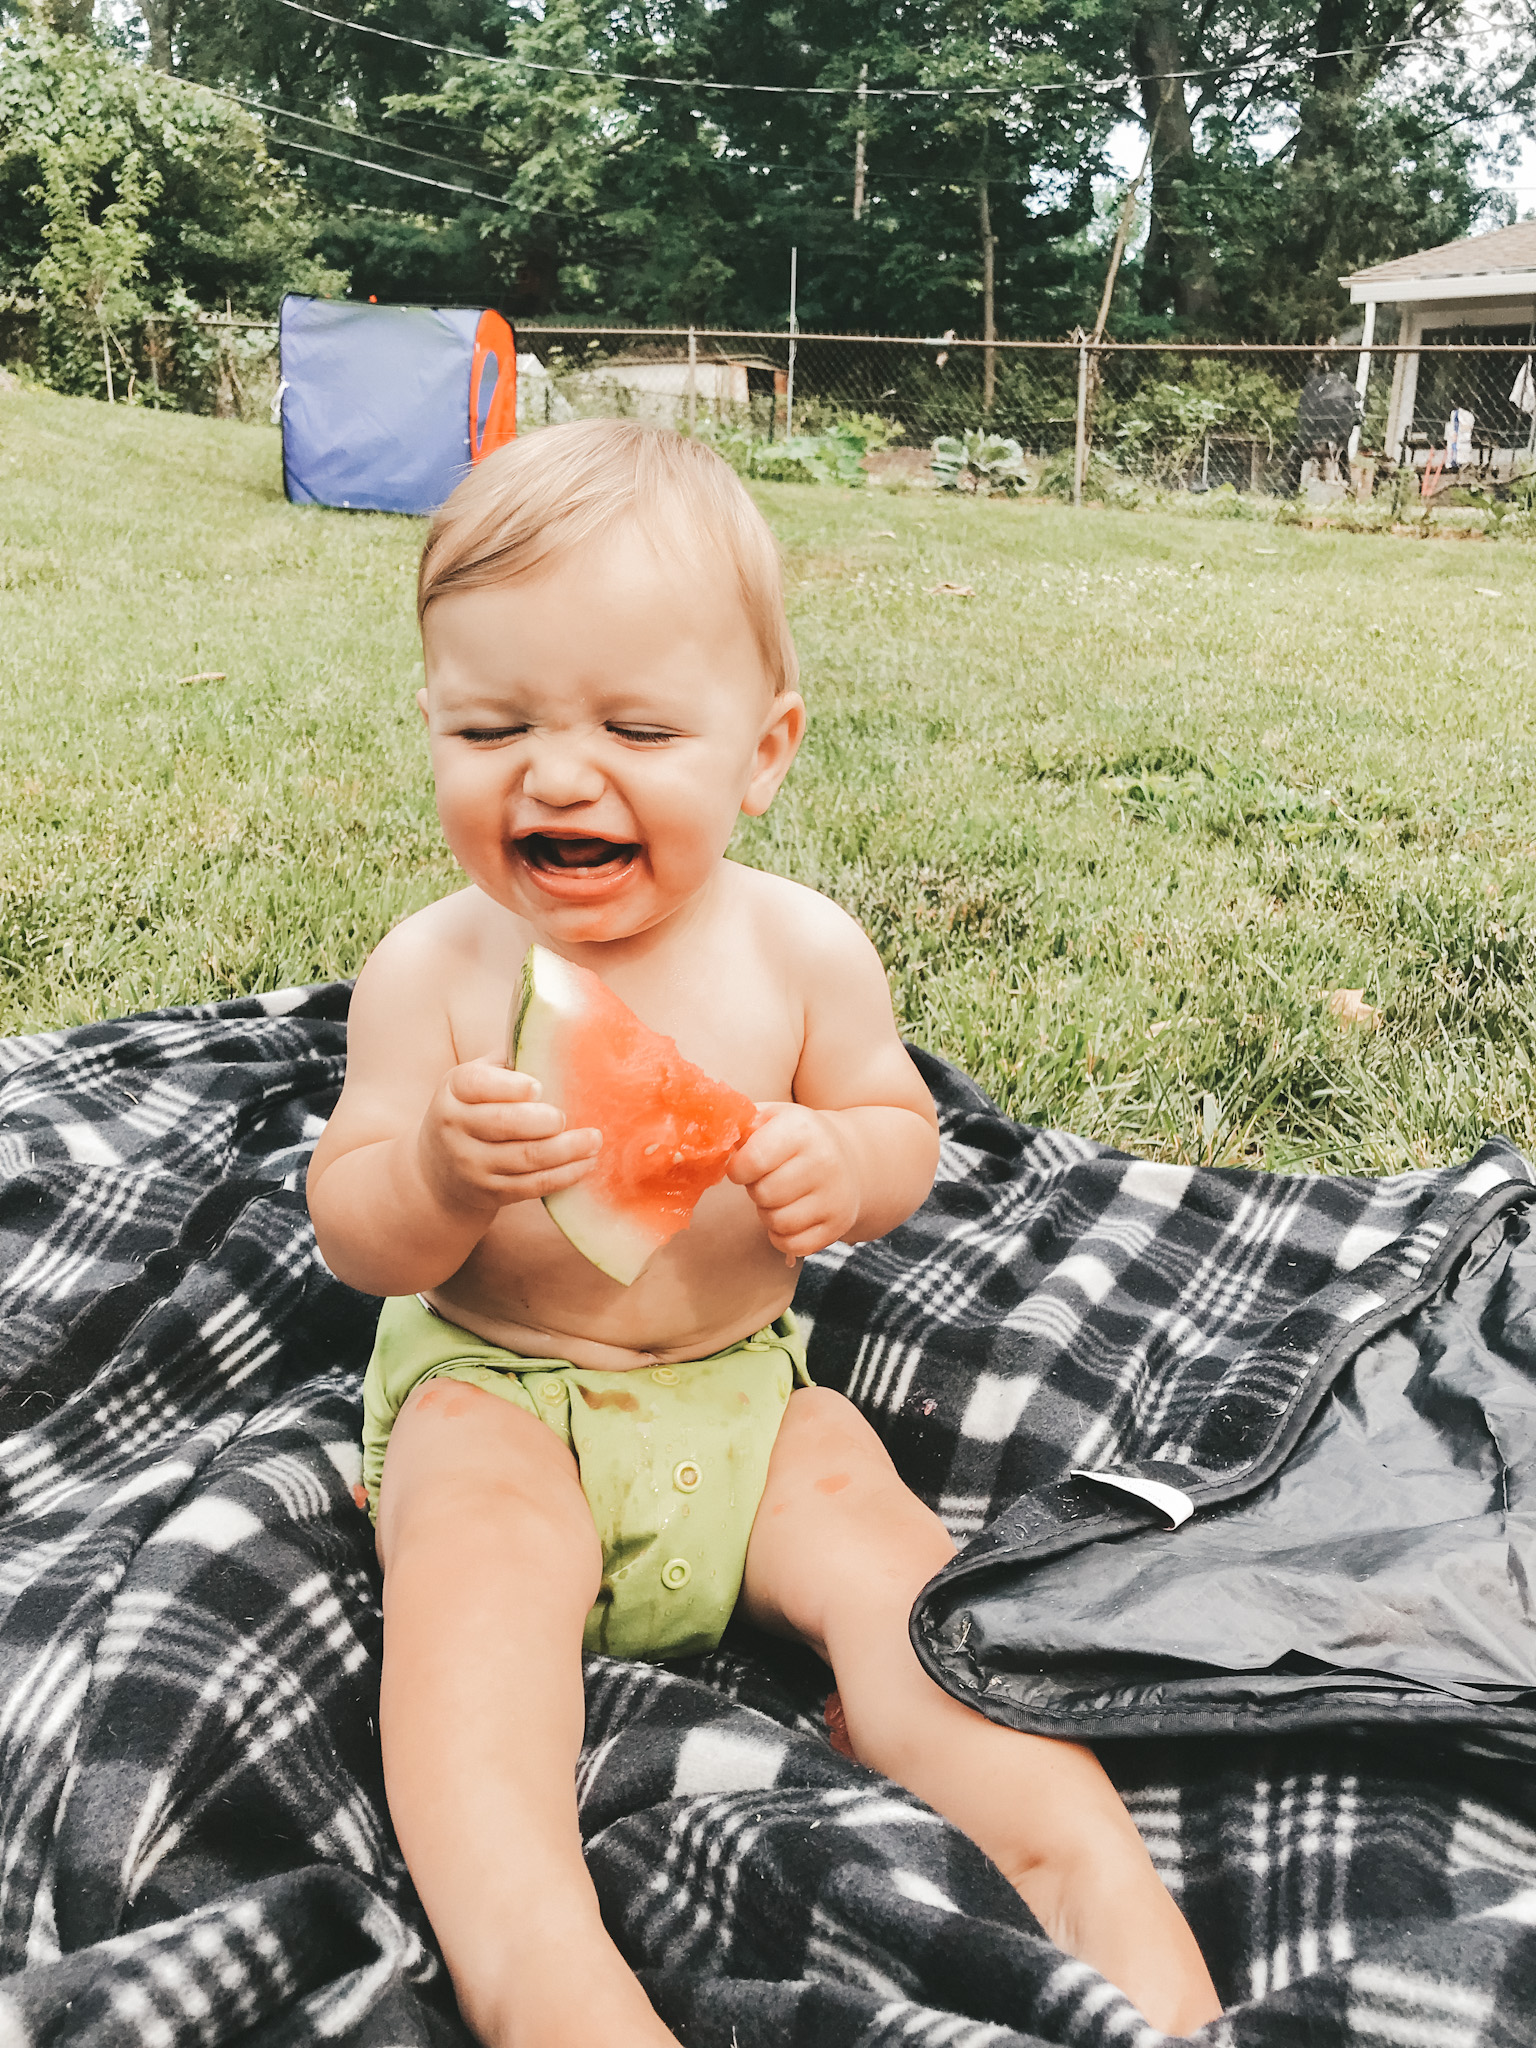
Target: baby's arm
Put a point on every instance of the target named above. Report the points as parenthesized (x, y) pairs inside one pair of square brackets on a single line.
[(854, 1154), (425, 1148)]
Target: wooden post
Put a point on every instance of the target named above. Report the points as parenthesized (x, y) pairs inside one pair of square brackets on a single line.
[(794, 326), (1122, 229), (858, 146), (693, 377), (988, 309), (1080, 462)]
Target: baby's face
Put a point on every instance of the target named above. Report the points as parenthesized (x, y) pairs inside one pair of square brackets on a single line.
[(596, 730)]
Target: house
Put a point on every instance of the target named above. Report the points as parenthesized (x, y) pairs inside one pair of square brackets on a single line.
[(1473, 294)]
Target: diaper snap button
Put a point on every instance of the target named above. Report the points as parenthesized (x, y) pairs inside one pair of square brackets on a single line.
[(675, 1574), (664, 1376), (550, 1391), (686, 1476)]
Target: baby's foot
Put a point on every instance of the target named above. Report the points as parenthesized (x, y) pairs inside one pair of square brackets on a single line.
[(1111, 1910), (575, 1995)]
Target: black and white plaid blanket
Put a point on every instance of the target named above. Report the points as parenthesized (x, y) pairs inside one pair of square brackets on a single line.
[(194, 1847)]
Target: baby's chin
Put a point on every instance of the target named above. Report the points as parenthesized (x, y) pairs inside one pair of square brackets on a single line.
[(640, 906)]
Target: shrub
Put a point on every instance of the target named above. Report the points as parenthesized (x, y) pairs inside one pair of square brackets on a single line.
[(980, 462), (835, 456)]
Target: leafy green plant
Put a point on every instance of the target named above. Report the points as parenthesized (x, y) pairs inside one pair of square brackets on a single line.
[(128, 198), (1103, 483), (835, 456), (980, 462)]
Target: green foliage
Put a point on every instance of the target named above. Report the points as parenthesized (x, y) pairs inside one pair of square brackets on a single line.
[(566, 182), (125, 194), (1158, 414), (982, 463), (833, 456)]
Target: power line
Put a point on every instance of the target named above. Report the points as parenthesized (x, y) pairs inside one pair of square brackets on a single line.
[(833, 172), (389, 170), (431, 156), (895, 92), (941, 92)]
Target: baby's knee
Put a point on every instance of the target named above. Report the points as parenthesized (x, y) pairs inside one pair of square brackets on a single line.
[(477, 1471)]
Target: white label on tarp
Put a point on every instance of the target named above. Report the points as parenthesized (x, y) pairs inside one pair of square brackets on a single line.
[(1178, 1507)]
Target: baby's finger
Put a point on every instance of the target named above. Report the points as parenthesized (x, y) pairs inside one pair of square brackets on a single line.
[(489, 1081), (499, 1123), (769, 1146), (793, 1219), (801, 1243), (533, 1187), (541, 1155), (791, 1182)]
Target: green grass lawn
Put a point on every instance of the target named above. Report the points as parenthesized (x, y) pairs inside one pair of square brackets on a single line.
[(1120, 821)]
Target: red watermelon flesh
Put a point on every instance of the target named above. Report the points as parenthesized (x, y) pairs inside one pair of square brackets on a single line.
[(669, 1130)]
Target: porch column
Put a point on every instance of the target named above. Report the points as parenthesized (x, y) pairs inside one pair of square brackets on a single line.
[(1405, 382), (1363, 370)]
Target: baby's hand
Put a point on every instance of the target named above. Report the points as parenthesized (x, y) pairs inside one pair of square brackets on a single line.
[(801, 1174), (487, 1140)]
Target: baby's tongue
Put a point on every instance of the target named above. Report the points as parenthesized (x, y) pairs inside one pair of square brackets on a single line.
[(578, 853)]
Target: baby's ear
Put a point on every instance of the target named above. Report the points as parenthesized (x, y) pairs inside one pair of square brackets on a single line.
[(776, 748), (421, 704)]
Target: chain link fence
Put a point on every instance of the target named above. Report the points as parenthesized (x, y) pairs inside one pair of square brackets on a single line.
[(1449, 422), (1089, 419)]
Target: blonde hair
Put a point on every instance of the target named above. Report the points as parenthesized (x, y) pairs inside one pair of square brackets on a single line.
[(549, 492)]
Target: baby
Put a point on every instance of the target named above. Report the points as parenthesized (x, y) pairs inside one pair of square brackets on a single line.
[(555, 1459)]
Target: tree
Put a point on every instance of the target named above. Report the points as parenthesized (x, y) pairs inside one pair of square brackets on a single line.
[(656, 160), (1294, 141), (123, 192)]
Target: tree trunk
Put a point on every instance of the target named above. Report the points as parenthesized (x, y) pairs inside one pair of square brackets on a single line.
[(69, 17), (1178, 266), (988, 302), (160, 20)]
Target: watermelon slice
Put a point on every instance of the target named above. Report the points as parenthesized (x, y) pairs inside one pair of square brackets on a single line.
[(668, 1129)]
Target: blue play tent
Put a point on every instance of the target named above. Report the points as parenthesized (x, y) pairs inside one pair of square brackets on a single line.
[(384, 408)]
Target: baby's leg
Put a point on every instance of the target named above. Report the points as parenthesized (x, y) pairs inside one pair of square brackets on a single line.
[(839, 1551), (490, 1565)]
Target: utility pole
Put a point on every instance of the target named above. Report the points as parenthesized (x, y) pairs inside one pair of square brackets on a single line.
[(1122, 230), (988, 310), (858, 146)]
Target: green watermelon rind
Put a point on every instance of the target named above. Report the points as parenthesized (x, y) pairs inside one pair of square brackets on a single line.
[(551, 997)]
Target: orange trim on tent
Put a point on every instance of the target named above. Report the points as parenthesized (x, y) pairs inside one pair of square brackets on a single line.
[(493, 337)]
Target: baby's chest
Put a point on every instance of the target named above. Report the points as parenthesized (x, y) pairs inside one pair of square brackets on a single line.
[(739, 1026)]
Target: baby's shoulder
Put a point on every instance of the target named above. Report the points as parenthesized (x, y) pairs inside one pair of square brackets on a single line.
[(800, 926), (436, 948)]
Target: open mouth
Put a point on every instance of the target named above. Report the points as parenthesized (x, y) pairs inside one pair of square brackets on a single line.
[(576, 856), (577, 866)]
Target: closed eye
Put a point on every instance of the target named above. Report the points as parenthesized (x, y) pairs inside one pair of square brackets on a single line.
[(488, 735), (641, 735)]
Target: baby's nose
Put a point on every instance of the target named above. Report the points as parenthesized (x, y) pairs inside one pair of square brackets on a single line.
[(562, 772)]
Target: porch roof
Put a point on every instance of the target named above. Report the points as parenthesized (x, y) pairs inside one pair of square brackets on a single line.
[(1484, 267)]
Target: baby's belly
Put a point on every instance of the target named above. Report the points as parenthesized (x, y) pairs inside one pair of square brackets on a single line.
[(527, 1288)]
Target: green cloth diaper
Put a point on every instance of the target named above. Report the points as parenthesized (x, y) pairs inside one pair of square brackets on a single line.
[(673, 1460)]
